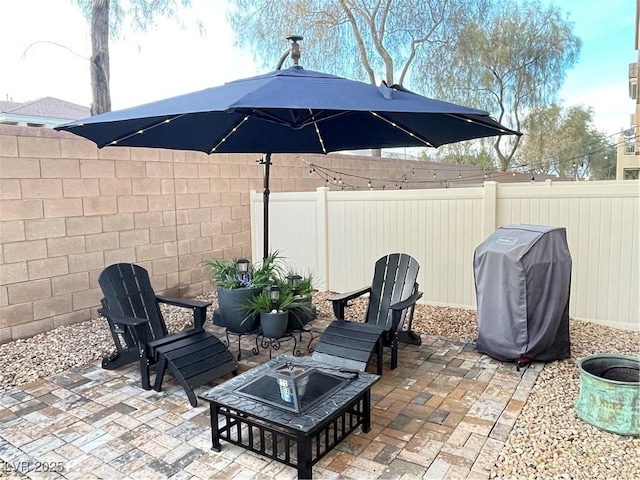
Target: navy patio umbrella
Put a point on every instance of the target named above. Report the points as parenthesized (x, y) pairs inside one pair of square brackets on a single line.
[(289, 111)]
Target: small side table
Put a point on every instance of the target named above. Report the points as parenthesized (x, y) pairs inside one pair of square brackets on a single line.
[(275, 344), (227, 342), (308, 330)]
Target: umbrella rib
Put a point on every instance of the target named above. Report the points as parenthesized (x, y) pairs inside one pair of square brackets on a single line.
[(401, 128), (338, 113), (143, 130), (233, 130), (470, 120), (280, 121), (262, 115)]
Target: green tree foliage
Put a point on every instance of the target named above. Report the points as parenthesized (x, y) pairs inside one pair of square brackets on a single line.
[(511, 60), (602, 165), (363, 39), (106, 18), (473, 152), (564, 141)]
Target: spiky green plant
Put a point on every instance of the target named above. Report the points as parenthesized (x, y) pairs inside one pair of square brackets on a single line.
[(223, 273), (263, 304)]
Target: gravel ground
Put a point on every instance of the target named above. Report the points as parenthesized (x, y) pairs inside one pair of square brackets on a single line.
[(547, 441)]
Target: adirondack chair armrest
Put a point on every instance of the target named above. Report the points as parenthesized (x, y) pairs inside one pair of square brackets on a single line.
[(397, 309), (406, 303), (137, 324), (345, 297), (183, 302), (199, 308), (122, 319), (340, 301)]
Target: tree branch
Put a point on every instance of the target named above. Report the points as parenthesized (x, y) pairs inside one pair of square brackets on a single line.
[(359, 42), (68, 49)]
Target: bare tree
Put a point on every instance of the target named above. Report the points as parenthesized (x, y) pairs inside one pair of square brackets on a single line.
[(365, 39), (106, 17), (99, 63)]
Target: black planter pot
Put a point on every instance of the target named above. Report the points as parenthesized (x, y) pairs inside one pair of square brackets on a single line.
[(274, 325), (298, 317), (233, 313)]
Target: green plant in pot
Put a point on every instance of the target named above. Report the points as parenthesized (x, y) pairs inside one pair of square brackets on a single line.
[(237, 282), (301, 287), (273, 305)]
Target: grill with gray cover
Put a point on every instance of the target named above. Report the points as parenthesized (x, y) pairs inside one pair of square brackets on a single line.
[(522, 277)]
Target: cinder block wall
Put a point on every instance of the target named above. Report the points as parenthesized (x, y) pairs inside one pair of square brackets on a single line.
[(68, 209)]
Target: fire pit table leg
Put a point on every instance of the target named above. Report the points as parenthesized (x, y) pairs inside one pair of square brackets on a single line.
[(215, 437), (304, 456), (366, 414)]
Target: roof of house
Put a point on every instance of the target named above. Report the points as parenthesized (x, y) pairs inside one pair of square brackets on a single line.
[(47, 107)]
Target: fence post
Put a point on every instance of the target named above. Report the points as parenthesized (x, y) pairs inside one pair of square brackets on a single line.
[(322, 238), (489, 208)]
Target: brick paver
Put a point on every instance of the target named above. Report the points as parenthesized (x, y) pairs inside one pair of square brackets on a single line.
[(444, 413)]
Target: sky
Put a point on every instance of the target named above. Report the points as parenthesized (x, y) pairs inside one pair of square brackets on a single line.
[(45, 46)]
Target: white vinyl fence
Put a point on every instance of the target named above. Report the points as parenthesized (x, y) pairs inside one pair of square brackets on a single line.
[(338, 236)]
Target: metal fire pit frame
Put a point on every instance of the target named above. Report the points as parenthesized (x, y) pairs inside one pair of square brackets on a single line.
[(297, 440)]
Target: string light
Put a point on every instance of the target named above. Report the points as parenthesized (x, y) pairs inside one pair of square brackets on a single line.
[(142, 130), (395, 125), (233, 130), (330, 173)]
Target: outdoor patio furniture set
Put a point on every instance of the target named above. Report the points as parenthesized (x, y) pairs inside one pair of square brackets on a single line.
[(293, 419)]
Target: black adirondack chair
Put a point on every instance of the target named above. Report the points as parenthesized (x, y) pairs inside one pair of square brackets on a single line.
[(132, 309), (392, 297)]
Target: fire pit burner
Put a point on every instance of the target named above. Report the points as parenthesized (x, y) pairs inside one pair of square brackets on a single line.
[(293, 388)]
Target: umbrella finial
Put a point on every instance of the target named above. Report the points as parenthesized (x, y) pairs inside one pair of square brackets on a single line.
[(295, 48), (294, 51)]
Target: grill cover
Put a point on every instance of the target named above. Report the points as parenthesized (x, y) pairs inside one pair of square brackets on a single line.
[(522, 278)]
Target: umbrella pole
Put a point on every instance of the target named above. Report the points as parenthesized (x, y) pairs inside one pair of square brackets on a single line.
[(266, 161)]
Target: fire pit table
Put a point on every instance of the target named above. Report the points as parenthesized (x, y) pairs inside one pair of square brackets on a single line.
[(293, 410)]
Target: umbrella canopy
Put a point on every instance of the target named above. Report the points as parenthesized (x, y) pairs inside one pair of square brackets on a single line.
[(289, 111)]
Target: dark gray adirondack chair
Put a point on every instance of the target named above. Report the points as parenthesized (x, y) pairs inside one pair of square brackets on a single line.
[(392, 297), (132, 309)]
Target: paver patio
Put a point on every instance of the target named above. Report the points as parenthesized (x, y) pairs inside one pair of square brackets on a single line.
[(445, 412)]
